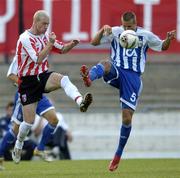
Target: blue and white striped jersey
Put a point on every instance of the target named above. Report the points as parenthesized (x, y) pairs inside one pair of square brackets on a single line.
[(132, 59)]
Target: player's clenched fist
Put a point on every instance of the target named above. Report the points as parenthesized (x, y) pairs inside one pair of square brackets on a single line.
[(171, 35), (52, 37), (107, 30), (75, 42)]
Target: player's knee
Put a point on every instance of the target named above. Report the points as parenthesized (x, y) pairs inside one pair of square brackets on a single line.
[(53, 82), (56, 78), (127, 116), (126, 120), (53, 121), (106, 64)]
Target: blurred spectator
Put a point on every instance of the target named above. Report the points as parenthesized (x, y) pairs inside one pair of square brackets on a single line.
[(6, 120), (58, 142), (5, 125)]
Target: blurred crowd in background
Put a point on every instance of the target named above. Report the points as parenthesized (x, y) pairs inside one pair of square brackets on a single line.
[(57, 147)]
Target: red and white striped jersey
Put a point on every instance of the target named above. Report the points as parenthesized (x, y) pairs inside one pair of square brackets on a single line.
[(27, 50)]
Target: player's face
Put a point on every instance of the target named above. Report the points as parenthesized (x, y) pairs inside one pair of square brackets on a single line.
[(9, 110), (129, 25), (42, 25)]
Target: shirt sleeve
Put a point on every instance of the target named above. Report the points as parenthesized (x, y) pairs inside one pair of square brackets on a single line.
[(58, 46), (154, 42), (13, 68), (30, 48)]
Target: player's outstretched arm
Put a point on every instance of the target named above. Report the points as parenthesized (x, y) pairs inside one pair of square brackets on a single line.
[(68, 46), (104, 31), (170, 36)]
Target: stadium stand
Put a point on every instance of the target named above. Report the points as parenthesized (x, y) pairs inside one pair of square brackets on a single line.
[(161, 89), (161, 93)]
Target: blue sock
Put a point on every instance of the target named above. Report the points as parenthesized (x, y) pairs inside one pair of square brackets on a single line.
[(7, 141), (124, 135), (46, 135), (96, 72)]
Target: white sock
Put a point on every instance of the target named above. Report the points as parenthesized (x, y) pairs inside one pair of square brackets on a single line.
[(78, 100), (71, 90), (19, 144), (23, 132)]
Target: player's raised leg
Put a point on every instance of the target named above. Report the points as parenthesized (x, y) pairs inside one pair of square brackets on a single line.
[(87, 100), (56, 80), (71, 90), (84, 72), (96, 72)]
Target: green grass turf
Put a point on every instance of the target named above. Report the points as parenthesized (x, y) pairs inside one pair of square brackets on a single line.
[(132, 168)]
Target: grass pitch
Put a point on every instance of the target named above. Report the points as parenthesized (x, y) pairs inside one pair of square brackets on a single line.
[(132, 168)]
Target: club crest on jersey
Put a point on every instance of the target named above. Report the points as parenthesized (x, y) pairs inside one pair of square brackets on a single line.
[(24, 98)]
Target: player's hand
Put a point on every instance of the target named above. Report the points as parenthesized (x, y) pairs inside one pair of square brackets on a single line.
[(75, 42), (52, 37), (171, 35), (107, 30)]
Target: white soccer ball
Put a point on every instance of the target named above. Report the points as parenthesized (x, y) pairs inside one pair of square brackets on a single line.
[(129, 39)]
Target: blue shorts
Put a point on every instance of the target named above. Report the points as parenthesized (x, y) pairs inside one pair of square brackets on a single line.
[(43, 106), (129, 84)]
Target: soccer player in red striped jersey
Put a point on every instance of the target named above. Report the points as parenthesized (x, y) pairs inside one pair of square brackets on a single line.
[(33, 48)]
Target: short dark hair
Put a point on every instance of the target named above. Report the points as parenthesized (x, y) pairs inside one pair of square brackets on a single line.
[(10, 104), (129, 15)]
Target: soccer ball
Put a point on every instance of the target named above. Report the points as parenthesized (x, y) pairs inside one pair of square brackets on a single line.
[(129, 39)]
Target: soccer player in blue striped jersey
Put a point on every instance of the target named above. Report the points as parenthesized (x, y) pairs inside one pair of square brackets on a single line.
[(124, 69)]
